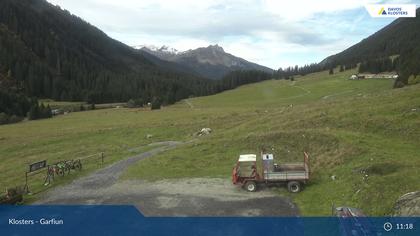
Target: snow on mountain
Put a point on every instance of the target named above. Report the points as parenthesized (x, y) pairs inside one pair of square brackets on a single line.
[(210, 62), (162, 49)]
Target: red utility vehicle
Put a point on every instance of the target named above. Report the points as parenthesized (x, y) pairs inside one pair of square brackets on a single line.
[(246, 172)]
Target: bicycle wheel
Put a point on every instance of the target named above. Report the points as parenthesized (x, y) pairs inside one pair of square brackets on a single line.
[(78, 165), (60, 171), (51, 173)]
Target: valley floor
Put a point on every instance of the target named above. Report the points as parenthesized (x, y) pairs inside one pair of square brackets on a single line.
[(364, 133)]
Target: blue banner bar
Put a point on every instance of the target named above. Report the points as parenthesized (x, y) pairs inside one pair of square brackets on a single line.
[(127, 220)]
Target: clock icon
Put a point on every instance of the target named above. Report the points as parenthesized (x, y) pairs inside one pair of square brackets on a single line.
[(387, 226)]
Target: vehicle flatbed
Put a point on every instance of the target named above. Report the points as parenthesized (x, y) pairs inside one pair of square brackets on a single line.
[(245, 172)]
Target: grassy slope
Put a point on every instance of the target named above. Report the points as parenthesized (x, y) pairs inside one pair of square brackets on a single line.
[(354, 131), (361, 128), (75, 106)]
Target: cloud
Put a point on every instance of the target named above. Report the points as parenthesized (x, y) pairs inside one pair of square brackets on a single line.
[(210, 21), (263, 31)]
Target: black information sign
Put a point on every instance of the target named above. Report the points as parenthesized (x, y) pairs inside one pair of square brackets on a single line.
[(37, 165)]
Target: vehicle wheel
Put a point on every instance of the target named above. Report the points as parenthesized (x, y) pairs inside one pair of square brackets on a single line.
[(251, 186), (60, 172), (294, 186)]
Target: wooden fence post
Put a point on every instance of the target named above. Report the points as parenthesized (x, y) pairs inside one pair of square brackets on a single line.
[(26, 188)]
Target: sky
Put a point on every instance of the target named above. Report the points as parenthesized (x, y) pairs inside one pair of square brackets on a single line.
[(273, 33)]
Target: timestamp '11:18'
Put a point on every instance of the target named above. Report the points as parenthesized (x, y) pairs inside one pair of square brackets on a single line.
[(404, 226)]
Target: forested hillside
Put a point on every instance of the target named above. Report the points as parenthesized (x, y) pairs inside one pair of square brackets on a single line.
[(47, 52), (401, 37)]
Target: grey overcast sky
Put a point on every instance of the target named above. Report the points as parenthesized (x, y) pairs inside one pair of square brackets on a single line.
[(269, 32)]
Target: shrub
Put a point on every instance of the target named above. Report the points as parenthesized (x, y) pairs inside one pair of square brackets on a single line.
[(15, 119), (138, 102), (398, 84), (156, 103), (4, 118), (39, 112), (130, 103), (411, 80)]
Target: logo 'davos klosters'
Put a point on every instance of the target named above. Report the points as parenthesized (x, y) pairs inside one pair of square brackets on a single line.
[(382, 11), (391, 10)]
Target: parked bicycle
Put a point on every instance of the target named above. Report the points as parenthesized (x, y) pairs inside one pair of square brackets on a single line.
[(72, 165), (57, 169), (61, 168)]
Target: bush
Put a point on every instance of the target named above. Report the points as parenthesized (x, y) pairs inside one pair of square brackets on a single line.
[(417, 79), (132, 103), (4, 118), (156, 104), (33, 113), (411, 80), (7, 119), (398, 84), (15, 119), (39, 112), (12, 103)]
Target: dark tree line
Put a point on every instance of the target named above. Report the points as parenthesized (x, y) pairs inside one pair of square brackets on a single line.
[(15, 106), (379, 65), (241, 77), (291, 71)]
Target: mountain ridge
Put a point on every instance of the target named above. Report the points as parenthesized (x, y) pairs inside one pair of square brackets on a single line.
[(209, 62)]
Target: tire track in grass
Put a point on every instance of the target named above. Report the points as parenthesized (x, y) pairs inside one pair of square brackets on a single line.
[(293, 85)]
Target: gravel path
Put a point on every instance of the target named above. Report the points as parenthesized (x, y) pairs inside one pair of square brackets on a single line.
[(175, 197)]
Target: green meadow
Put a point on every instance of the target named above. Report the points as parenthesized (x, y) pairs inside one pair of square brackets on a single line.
[(364, 133)]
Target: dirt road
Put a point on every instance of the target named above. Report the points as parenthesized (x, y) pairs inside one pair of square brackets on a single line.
[(177, 197)]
